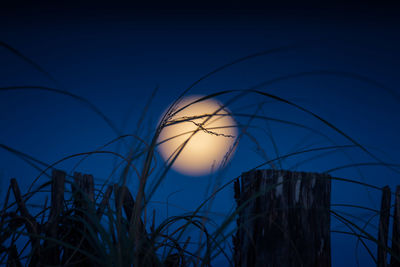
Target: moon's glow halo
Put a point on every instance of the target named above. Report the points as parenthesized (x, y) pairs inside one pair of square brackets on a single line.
[(209, 132)]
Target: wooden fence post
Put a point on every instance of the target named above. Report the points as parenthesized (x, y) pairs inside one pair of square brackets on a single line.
[(396, 230), (68, 235), (383, 227), (283, 219), (51, 254)]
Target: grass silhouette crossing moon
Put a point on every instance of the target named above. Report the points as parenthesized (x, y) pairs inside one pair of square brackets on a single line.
[(207, 133)]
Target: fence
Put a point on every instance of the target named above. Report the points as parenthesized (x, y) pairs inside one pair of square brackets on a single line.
[(283, 220)]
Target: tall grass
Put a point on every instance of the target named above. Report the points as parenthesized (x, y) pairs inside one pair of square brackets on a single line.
[(114, 228)]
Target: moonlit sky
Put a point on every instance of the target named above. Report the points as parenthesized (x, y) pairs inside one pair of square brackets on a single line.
[(115, 56)]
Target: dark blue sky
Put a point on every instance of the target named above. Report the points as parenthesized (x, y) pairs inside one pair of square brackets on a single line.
[(114, 56)]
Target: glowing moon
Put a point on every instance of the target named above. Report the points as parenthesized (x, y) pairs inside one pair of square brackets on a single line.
[(210, 138)]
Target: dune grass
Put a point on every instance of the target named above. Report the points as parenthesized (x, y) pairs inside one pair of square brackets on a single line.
[(105, 225)]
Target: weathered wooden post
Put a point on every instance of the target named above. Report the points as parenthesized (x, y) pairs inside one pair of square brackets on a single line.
[(383, 230), (283, 219), (394, 262)]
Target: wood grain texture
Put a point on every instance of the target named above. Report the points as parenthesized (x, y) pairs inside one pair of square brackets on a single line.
[(283, 219)]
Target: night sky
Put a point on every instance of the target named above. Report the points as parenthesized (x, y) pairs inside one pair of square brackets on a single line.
[(340, 61)]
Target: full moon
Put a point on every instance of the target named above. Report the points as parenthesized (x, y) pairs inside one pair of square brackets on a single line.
[(207, 132)]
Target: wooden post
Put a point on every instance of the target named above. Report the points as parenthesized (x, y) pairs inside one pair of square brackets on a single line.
[(283, 219), (51, 254), (30, 222), (72, 225), (104, 202), (83, 189), (396, 230), (383, 227), (145, 255), (13, 260), (78, 233)]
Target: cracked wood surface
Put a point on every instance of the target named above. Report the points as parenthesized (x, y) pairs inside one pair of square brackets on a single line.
[(283, 219)]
